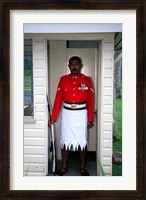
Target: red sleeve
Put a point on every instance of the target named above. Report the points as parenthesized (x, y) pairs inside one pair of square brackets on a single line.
[(58, 102), (90, 102)]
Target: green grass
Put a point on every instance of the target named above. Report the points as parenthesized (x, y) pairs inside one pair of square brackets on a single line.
[(117, 170), (117, 145), (119, 115)]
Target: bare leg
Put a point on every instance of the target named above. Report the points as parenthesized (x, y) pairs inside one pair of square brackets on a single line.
[(83, 171), (64, 154), (82, 158)]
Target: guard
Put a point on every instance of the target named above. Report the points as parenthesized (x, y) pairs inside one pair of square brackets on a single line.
[(75, 94)]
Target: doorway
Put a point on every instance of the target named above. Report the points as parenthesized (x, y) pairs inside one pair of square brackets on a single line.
[(59, 53)]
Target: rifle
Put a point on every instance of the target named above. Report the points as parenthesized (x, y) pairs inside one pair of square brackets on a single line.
[(52, 143)]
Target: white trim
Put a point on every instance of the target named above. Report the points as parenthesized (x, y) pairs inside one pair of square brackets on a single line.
[(98, 106), (101, 102), (46, 118)]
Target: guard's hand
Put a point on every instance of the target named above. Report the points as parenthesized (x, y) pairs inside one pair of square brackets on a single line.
[(50, 122), (90, 125)]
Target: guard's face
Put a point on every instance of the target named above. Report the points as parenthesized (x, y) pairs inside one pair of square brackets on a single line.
[(75, 67)]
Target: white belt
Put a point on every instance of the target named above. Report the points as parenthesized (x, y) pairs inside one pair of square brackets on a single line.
[(75, 106)]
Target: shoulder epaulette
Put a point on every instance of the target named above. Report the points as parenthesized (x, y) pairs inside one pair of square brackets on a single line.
[(87, 77), (64, 76)]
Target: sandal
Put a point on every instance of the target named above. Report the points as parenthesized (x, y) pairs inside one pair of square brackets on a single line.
[(61, 172), (84, 172)]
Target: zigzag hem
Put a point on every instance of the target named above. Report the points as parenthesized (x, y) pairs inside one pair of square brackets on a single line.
[(73, 147)]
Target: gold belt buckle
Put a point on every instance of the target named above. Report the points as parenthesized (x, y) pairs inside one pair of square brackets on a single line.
[(73, 106)]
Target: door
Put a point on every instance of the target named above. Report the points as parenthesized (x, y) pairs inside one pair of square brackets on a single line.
[(89, 58)]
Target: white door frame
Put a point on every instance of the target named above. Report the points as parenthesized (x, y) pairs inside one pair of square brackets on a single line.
[(98, 107)]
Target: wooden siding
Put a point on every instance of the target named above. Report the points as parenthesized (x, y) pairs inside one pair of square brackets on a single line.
[(34, 133), (107, 107)]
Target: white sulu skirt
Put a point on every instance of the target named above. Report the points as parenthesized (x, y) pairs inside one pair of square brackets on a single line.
[(74, 132)]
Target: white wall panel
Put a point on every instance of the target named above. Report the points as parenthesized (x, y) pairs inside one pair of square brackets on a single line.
[(108, 63), (37, 125), (106, 135), (108, 54), (34, 173), (108, 82), (39, 90), (34, 133), (40, 116), (107, 126), (36, 150), (40, 107), (108, 100), (107, 170), (34, 158), (39, 73), (40, 98), (107, 144), (107, 152), (34, 141), (39, 54), (32, 167), (107, 109), (38, 45), (39, 81), (108, 91), (108, 73), (107, 105), (107, 117), (38, 63), (106, 161)]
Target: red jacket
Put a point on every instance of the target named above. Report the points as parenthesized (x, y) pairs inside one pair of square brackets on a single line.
[(74, 89)]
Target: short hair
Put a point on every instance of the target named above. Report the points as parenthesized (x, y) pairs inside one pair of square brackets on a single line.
[(75, 58)]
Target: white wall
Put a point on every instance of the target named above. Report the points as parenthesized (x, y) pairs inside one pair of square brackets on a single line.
[(106, 139), (35, 131)]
